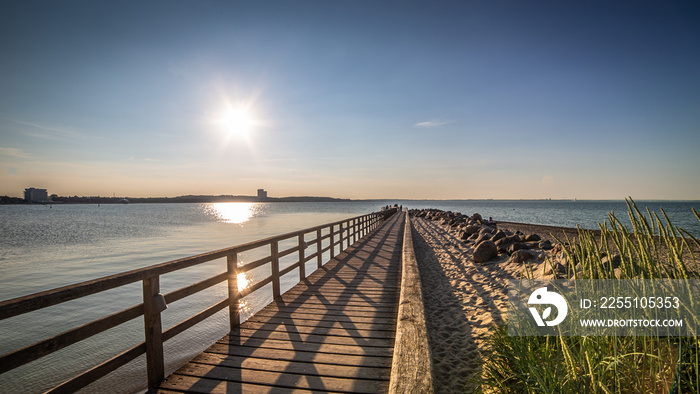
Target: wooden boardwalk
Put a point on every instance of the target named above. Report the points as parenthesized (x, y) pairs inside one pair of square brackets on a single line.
[(333, 332)]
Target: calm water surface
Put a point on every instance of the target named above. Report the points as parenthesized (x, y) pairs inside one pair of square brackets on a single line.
[(44, 247)]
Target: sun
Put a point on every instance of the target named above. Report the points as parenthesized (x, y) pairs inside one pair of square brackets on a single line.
[(236, 121)]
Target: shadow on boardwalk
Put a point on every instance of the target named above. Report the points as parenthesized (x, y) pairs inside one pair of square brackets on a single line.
[(334, 331)]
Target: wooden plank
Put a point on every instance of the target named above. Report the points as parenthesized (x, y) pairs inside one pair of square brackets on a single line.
[(281, 379), (314, 338), (383, 326), (336, 307), (294, 366), (339, 294), (351, 331), (305, 315), (190, 384), (302, 356), (383, 315), (323, 299), (328, 348), (411, 366)]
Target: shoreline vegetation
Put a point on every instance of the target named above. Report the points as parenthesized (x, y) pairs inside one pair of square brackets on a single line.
[(466, 262)]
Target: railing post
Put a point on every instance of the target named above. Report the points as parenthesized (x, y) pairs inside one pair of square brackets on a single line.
[(234, 317), (354, 230), (153, 331), (340, 239), (319, 244), (274, 254), (302, 263), (332, 240)]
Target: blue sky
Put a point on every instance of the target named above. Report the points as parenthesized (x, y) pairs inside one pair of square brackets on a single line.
[(352, 99)]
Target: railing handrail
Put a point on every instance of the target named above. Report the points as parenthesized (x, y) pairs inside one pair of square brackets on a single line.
[(44, 299), (353, 228)]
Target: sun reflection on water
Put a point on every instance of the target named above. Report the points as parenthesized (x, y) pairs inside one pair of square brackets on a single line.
[(242, 281), (233, 212)]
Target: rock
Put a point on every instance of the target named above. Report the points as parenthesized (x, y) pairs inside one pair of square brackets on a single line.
[(472, 229), (477, 217), (516, 246), (545, 245), (521, 255), (485, 251), (483, 237), (618, 273), (507, 240), (533, 238), (485, 230), (615, 261), (558, 268), (498, 235)]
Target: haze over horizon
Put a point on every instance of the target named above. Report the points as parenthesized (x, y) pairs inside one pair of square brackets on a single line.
[(359, 100)]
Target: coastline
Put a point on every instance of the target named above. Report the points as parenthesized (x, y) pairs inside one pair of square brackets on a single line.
[(464, 299), (466, 296)]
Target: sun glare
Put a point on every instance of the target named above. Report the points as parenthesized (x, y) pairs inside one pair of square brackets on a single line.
[(233, 212), (237, 121)]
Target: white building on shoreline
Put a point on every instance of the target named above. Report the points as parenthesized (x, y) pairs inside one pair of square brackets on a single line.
[(36, 195)]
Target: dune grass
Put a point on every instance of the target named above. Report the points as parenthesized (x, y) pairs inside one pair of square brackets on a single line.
[(652, 248)]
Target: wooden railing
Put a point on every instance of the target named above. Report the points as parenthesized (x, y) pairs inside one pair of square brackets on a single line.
[(341, 234)]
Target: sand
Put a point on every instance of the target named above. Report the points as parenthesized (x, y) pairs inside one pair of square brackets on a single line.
[(463, 300)]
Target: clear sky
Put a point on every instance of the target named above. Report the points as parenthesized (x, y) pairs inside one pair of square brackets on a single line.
[(351, 99)]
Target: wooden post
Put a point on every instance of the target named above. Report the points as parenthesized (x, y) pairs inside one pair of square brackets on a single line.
[(302, 263), (155, 366), (340, 239), (274, 253), (234, 316), (354, 230), (332, 240), (319, 244)]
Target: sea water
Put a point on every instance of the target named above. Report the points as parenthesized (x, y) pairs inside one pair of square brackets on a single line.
[(45, 247)]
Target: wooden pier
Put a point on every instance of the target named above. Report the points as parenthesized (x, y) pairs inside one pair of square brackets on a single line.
[(353, 325), (334, 331)]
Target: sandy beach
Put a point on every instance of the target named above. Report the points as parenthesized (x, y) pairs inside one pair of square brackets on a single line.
[(464, 299)]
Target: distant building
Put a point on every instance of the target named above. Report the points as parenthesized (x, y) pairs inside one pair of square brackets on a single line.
[(36, 195), (262, 193)]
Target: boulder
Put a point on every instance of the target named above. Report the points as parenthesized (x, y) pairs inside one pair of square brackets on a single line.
[(615, 261), (507, 240), (533, 238), (498, 235), (472, 229), (545, 245), (521, 255), (516, 246), (558, 268), (483, 237), (477, 217), (485, 251)]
